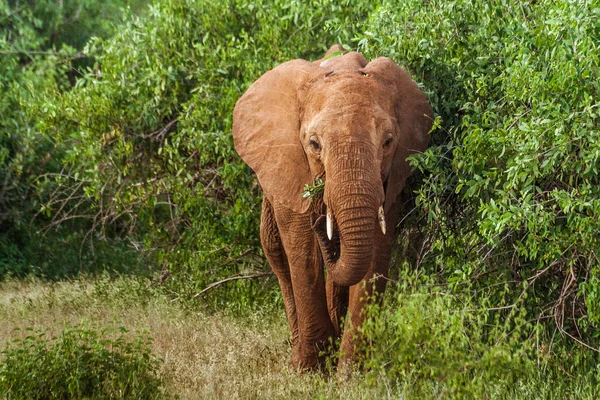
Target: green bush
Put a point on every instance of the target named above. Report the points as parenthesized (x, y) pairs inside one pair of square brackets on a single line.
[(149, 131), (507, 195), (80, 363), (41, 57), (511, 184), (508, 188), (425, 341)]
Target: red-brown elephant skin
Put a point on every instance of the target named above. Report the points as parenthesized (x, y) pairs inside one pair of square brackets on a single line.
[(352, 123)]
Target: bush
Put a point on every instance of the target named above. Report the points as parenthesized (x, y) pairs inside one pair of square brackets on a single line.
[(41, 57), (511, 184), (81, 363), (507, 195), (424, 341), (149, 132)]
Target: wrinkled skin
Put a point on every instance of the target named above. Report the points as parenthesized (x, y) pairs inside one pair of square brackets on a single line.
[(354, 124)]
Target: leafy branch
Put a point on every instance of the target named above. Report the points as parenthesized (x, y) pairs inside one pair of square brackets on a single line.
[(314, 190)]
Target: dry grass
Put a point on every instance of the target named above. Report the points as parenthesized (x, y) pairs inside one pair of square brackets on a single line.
[(204, 356)]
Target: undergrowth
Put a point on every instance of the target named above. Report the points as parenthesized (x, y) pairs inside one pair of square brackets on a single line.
[(81, 362), (426, 341)]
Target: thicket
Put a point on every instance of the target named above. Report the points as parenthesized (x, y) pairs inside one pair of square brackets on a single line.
[(507, 195), (41, 57), (148, 133), (511, 191), (428, 341)]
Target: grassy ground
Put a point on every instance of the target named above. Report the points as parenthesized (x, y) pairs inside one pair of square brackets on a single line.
[(207, 355), (203, 356)]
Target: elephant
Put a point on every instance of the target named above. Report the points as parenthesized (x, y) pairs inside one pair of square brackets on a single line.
[(351, 123)]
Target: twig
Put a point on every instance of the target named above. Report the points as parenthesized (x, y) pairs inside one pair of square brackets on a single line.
[(561, 330), (160, 134), (244, 253), (518, 118), (231, 278)]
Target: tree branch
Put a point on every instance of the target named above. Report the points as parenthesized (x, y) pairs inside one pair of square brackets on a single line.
[(159, 135), (230, 279)]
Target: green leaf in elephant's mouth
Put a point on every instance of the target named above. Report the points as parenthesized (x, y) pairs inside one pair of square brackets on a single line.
[(315, 190)]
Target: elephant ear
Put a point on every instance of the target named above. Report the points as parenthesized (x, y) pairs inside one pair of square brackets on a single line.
[(266, 133), (413, 114)]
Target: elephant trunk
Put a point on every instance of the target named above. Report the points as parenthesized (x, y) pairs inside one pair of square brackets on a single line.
[(353, 196)]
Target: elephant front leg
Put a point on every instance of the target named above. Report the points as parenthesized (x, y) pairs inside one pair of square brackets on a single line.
[(273, 248), (315, 329), (361, 294)]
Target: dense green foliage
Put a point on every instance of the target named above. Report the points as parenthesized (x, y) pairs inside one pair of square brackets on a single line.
[(81, 363), (152, 127), (510, 188), (40, 46), (426, 341), (120, 146), (512, 194)]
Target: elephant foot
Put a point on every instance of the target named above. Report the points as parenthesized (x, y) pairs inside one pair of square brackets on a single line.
[(302, 362), (311, 357), (344, 371), (347, 356)]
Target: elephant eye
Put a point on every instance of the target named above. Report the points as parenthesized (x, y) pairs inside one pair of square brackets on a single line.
[(388, 142), (315, 145)]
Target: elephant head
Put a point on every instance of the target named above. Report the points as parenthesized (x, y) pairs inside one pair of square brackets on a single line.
[(353, 123)]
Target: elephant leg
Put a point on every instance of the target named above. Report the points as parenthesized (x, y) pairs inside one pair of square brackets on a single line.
[(315, 329), (273, 248), (361, 294), (337, 304)]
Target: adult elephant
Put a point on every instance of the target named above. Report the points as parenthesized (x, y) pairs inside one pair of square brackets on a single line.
[(353, 124)]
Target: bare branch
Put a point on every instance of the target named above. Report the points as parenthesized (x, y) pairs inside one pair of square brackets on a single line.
[(159, 135), (230, 279)]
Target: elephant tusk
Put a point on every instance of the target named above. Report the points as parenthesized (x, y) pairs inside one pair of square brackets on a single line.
[(329, 226), (381, 218)]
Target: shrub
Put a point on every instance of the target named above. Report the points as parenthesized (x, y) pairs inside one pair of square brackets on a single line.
[(80, 363), (511, 189), (507, 193), (149, 132), (424, 341), (41, 57)]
